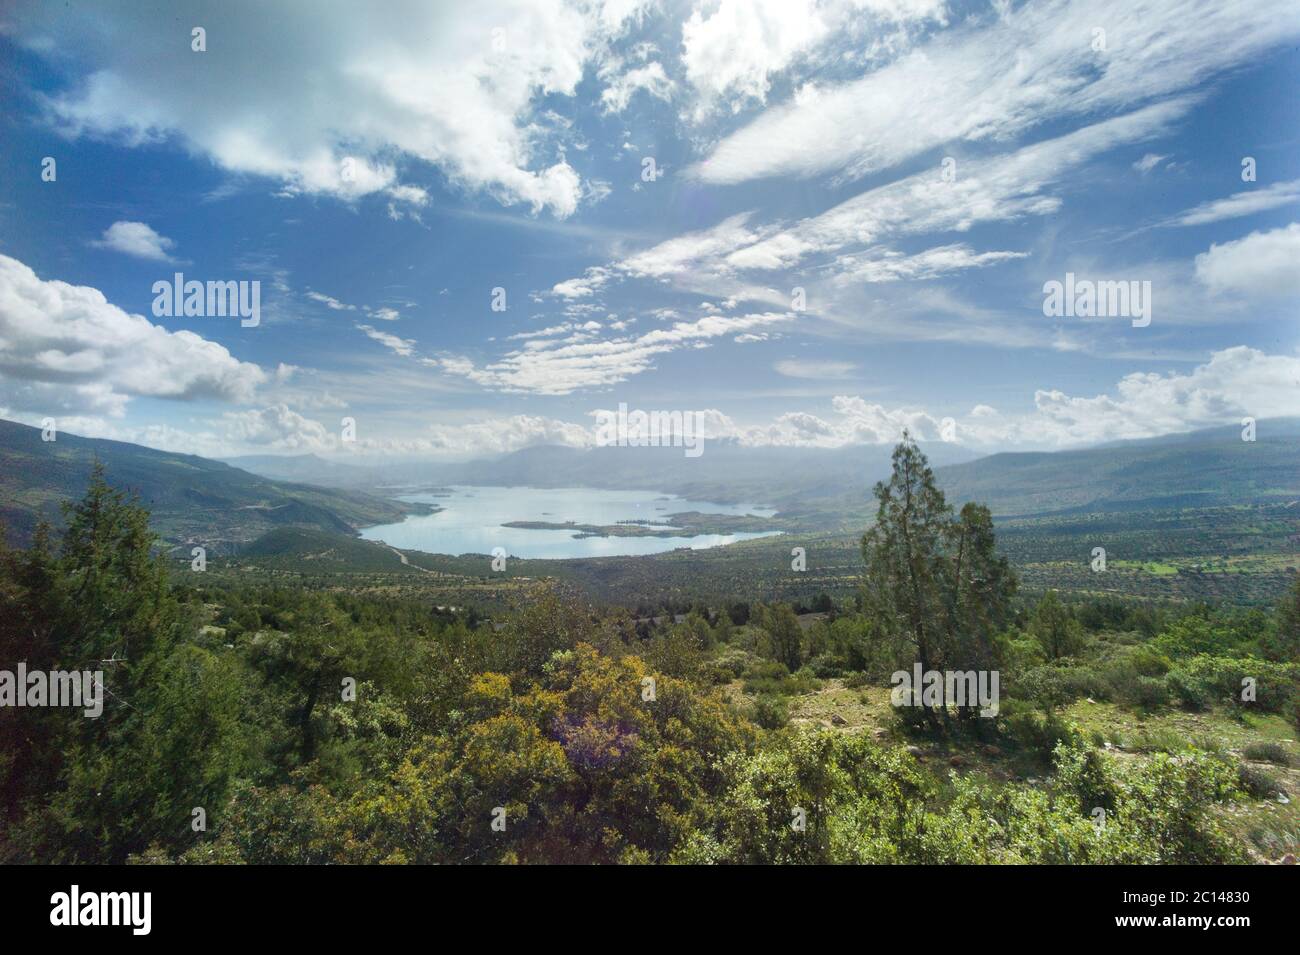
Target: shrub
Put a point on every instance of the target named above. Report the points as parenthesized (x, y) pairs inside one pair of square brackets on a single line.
[(1148, 693), (1257, 782), (1037, 733), (1268, 753), (770, 712)]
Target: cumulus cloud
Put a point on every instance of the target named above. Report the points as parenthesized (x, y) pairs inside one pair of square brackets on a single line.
[(732, 50), (277, 427), (651, 78), (67, 344), (338, 99), (1261, 265), (1235, 383), (137, 239)]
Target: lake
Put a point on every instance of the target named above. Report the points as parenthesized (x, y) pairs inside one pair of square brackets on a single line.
[(471, 519)]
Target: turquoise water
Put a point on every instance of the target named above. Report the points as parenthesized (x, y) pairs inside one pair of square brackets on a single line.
[(471, 519)]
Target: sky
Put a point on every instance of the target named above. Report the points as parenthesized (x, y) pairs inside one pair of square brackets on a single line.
[(815, 222)]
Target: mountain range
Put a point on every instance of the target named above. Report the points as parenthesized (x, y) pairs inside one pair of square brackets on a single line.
[(195, 499)]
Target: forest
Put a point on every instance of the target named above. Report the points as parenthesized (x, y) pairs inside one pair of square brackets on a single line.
[(248, 721)]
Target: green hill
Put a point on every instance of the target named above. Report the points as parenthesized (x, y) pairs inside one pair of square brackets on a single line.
[(192, 499), (1210, 468)]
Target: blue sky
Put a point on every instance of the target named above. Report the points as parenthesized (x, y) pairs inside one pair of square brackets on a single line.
[(918, 168)]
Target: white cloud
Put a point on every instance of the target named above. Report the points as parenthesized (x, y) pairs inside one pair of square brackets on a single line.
[(1235, 383), (502, 435), (732, 52), (401, 346), (991, 81), (1240, 204), (1149, 162), (650, 78), (338, 99), (330, 302), (689, 252), (137, 239), (987, 190), (890, 266), (278, 427), (66, 345), (809, 368), (1262, 265), (736, 48), (551, 367), (585, 287)]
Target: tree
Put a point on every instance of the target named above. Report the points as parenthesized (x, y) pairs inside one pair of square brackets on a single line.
[(935, 585), (1055, 628), (784, 635), (1283, 643)]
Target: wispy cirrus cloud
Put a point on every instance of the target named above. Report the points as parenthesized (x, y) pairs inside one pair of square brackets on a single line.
[(1245, 203), (561, 367), (997, 77)]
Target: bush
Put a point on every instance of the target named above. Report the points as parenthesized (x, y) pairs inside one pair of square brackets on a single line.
[(1258, 782), (824, 666), (770, 712), (1268, 753), (728, 664), (772, 678), (1204, 679), (1148, 693), (1037, 733)]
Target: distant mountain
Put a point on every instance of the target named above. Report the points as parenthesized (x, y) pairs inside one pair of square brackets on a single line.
[(829, 489), (192, 499), (195, 499), (308, 469), (1212, 467)]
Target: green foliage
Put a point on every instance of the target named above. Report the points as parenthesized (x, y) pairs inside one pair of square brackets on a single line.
[(1268, 753), (1282, 641), (594, 744), (1055, 629), (935, 585)]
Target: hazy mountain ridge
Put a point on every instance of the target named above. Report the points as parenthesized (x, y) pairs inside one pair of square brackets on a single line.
[(821, 489), (1211, 467), (191, 498)]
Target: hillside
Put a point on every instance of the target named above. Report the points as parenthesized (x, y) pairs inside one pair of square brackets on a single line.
[(191, 498), (1210, 468)]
